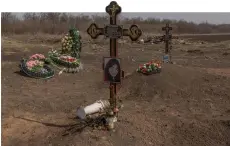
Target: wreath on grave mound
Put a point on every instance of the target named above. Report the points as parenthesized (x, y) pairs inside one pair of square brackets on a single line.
[(149, 68), (68, 58), (36, 67), (66, 62)]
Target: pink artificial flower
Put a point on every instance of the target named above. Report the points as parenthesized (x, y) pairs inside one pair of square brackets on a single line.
[(116, 110), (32, 63), (37, 56)]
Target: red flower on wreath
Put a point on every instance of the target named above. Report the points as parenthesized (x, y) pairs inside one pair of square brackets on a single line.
[(144, 70), (70, 59)]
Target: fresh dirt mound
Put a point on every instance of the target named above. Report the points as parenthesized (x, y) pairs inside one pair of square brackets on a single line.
[(189, 103), (171, 80), (180, 85)]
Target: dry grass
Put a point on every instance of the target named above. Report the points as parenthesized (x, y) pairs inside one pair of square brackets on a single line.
[(17, 43), (6, 63)]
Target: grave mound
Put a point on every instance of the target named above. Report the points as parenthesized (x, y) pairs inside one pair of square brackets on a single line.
[(172, 81)]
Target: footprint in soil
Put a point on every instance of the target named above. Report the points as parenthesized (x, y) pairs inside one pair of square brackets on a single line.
[(196, 51), (225, 54), (226, 123)]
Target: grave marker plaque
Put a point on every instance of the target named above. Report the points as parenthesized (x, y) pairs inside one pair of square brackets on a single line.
[(113, 31)]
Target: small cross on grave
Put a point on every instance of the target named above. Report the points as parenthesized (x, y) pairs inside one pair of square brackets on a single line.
[(167, 37), (111, 65)]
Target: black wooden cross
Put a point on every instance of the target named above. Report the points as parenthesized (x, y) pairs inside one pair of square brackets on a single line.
[(167, 37), (114, 32)]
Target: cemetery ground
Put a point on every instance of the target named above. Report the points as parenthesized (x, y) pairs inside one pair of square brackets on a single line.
[(187, 104)]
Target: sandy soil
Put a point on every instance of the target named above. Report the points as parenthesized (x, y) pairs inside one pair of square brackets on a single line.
[(187, 104)]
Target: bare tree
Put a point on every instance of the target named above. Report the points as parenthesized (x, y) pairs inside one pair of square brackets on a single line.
[(30, 16), (54, 19), (7, 17), (64, 18)]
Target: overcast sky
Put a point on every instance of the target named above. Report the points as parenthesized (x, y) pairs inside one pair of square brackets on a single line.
[(214, 18)]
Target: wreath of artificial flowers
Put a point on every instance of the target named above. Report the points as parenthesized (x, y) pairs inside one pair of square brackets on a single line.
[(151, 67), (68, 59), (36, 67), (65, 62), (71, 43)]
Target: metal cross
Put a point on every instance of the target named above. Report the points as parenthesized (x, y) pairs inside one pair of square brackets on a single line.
[(114, 32), (167, 37)]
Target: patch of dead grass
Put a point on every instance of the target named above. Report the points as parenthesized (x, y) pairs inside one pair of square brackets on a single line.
[(38, 38), (6, 63), (11, 46), (9, 52)]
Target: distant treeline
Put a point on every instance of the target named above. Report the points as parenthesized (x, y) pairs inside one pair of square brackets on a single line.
[(58, 23)]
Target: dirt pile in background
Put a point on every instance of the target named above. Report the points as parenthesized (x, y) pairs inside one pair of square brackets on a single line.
[(187, 42)]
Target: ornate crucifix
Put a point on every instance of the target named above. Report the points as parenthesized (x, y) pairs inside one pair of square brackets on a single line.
[(114, 32), (167, 39)]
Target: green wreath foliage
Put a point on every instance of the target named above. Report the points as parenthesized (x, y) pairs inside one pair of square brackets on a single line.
[(56, 58), (71, 43)]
